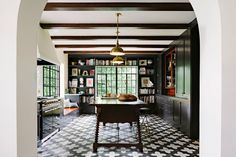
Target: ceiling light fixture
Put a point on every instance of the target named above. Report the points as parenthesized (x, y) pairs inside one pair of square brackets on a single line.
[(118, 60), (117, 50)]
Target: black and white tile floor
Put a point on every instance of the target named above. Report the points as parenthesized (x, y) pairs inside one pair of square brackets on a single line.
[(161, 140)]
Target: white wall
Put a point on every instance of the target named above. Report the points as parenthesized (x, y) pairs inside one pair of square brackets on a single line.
[(46, 48), (27, 25), (63, 71), (228, 129), (18, 134), (207, 12), (8, 30)]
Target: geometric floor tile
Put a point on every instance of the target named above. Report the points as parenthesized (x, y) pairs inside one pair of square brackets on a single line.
[(159, 140)]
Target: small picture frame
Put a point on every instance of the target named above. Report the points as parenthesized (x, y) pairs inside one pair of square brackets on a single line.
[(89, 82), (74, 72), (143, 62), (145, 81)]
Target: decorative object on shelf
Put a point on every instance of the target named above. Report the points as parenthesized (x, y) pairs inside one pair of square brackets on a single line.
[(169, 71), (81, 82), (80, 62), (92, 72), (149, 62), (142, 71), (74, 83), (73, 90), (74, 72), (142, 62), (89, 82), (117, 50), (73, 63), (145, 82), (150, 71), (85, 73), (81, 92)]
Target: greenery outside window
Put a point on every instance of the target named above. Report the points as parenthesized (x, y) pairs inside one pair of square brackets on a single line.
[(116, 80), (51, 80)]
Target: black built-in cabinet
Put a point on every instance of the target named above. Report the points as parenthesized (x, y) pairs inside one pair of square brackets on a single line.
[(182, 110)]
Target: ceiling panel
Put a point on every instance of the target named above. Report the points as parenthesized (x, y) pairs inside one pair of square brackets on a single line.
[(112, 31), (109, 49), (146, 1), (122, 41), (104, 17), (110, 17)]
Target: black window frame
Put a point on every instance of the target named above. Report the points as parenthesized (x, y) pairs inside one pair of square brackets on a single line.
[(51, 81), (116, 79)]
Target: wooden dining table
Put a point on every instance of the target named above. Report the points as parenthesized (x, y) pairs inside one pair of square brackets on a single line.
[(115, 111)]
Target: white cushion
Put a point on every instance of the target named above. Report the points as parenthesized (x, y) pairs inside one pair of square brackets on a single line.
[(67, 103)]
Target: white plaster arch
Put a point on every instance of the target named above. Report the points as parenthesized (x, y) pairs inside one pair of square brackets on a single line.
[(18, 83)]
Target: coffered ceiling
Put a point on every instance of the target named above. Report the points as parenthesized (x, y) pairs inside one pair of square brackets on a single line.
[(89, 26)]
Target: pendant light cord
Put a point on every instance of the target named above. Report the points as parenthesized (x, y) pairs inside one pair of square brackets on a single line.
[(117, 28)]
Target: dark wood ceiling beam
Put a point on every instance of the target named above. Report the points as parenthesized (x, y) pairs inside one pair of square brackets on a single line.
[(114, 37), (111, 45), (99, 25), (108, 52), (118, 7)]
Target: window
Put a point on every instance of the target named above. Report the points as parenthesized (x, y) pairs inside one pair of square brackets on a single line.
[(51, 80), (116, 80)]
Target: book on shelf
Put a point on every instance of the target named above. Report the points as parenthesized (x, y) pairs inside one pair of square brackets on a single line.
[(103, 62), (87, 99), (89, 91), (148, 99), (90, 62), (89, 82), (146, 91)]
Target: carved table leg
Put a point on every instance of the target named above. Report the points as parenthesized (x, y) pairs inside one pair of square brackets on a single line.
[(139, 137), (95, 144)]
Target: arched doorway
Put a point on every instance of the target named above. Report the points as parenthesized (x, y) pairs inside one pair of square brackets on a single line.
[(21, 126)]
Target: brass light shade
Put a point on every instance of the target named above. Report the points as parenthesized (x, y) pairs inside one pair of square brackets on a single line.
[(117, 50), (118, 60)]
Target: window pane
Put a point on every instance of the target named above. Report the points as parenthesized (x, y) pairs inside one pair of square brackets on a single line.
[(122, 77)]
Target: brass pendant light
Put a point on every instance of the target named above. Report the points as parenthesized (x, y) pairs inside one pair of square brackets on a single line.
[(117, 50), (118, 60)]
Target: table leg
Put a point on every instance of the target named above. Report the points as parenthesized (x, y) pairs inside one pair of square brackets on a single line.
[(95, 144), (139, 137)]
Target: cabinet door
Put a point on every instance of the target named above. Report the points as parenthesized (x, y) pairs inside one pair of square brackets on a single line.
[(180, 69), (168, 111), (177, 113), (187, 65), (185, 118)]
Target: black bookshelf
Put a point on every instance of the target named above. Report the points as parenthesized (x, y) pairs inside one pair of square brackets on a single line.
[(81, 63), (147, 79)]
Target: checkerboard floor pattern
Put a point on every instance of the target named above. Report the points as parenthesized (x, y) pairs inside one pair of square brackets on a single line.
[(160, 140)]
